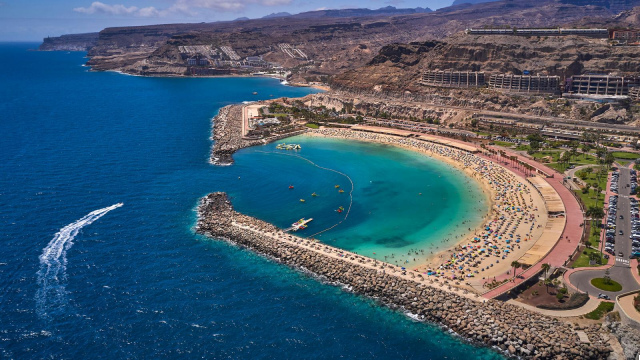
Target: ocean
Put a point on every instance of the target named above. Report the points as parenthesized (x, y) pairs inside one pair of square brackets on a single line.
[(100, 175)]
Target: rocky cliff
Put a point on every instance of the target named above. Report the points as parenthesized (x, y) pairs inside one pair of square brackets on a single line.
[(75, 42)]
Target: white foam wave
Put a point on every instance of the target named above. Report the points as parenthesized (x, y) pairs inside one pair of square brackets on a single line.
[(51, 294)]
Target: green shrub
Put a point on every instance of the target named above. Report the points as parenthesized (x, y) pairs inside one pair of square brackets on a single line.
[(575, 301), (600, 311), (606, 284)]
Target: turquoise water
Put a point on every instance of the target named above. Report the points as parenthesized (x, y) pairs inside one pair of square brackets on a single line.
[(83, 278), (402, 200)]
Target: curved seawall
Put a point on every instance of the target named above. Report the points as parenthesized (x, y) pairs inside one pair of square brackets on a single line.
[(516, 331)]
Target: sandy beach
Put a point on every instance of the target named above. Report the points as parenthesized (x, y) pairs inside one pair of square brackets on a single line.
[(514, 220)]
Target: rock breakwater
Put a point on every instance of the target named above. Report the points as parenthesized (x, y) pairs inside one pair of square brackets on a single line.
[(511, 329), (228, 138)]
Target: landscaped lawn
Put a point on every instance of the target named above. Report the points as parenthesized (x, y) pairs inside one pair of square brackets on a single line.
[(592, 178), (577, 161), (590, 198), (594, 237), (313, 126), (555, 155), (622, 162), (600, 311), (625, 155), (583, 260), (503, 143), (557, 167), (611, 286)]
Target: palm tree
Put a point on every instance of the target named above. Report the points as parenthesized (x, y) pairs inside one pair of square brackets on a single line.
[(609, 159), (595, 213), (573, 153), (545, 268), (515, 265), (585, 150), (598, 190), (565, 159)]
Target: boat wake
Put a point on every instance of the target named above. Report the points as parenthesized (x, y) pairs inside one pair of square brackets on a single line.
[(51, 293)]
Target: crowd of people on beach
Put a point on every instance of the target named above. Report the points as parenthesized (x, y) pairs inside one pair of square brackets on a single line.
[(507, 228)]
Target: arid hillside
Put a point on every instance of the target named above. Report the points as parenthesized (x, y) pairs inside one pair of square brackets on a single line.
[(399, 66), (332, 44)]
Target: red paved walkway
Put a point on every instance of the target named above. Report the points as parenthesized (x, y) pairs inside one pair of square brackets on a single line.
[(634, 270), (565, 246), (571, 235)]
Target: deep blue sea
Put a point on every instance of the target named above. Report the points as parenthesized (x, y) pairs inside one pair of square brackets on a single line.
[(100, 174)]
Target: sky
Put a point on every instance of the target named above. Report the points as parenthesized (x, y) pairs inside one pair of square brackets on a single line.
[(33, 20)]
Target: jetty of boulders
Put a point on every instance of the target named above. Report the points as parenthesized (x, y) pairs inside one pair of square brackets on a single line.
[(513, 330), (227, 135)]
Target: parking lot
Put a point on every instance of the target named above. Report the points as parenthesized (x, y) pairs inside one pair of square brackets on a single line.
[(622, 234)]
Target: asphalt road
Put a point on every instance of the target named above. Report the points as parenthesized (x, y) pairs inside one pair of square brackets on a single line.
[(623, 243), (572, 173), (621, 271), (582, 280)]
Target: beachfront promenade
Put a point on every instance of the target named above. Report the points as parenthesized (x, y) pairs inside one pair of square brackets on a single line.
[(514, 225), (569, 239), (563, 234), (227, 132)]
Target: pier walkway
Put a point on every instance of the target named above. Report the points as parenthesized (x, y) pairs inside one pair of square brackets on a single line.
[(360, 260)]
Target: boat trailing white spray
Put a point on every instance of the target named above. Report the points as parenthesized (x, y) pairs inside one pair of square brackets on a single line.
[(51, 293)]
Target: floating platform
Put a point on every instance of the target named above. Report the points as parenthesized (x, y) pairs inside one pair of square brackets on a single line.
[(284, 146), (300, 224)]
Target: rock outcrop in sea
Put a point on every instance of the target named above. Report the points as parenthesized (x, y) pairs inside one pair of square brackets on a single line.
[(510, 329)]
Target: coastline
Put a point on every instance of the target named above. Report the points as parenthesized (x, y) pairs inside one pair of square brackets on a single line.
[(439, 259), (479, 270), (488, 192), (265, 76), (510, 329)]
